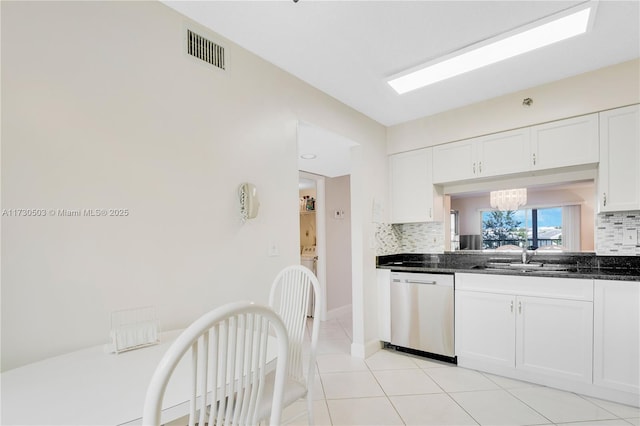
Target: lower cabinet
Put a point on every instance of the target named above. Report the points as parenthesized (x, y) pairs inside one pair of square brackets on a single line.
[(554, 337), (616, 351), (580, 335), (485, 327), (539, 335)]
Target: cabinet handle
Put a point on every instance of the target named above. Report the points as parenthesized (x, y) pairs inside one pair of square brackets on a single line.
[(430, 213), (474, 168), (534, 158), (480, 166), (512, 306), (604, 199), (519, 307)]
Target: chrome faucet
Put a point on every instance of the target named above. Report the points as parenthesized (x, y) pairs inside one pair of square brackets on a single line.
[(524, 255)]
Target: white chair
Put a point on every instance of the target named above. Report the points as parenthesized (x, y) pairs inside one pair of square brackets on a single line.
[(229, 361), (290, 298)]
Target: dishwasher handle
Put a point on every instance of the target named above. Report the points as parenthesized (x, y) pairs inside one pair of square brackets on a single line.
[(409, 281), (420, 282)]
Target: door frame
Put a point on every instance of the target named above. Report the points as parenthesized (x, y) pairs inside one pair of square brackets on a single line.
[(321, 237)]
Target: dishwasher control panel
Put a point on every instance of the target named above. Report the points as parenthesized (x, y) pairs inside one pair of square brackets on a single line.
[(422, 278)]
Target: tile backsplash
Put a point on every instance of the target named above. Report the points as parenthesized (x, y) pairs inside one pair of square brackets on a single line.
[(611, 230), (425, 237)]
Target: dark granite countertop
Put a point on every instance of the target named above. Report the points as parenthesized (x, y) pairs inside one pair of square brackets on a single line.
[(561, 265)]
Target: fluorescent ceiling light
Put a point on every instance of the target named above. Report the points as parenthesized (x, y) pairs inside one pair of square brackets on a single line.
[(508, 45)]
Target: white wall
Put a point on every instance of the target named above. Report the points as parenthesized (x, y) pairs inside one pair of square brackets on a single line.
[(102, 109), (338, 197), (594, 91)]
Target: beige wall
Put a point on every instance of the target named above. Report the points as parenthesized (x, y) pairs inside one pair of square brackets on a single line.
[(102, 109), (338, 197), (607, 88)]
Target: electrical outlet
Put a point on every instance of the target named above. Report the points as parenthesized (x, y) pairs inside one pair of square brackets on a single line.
[(629, 237)]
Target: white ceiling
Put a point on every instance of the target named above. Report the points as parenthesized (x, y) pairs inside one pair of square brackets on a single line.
[(332, 151), (347, 49)]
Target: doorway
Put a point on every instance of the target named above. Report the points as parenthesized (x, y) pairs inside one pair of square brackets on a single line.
[(325, 162)]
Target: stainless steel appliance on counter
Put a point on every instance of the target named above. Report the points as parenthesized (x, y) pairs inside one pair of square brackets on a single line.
[(422, 312)]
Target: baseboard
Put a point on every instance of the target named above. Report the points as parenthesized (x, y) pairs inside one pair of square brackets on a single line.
[(582, 388), (359, 350), (338, 312)]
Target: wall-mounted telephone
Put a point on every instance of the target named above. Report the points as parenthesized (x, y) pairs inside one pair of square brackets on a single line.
[(249, 203)]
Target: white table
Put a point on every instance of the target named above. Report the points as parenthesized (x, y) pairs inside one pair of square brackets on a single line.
[(91, 387)]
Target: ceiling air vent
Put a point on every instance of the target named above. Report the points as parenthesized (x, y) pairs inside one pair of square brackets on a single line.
[(206, 50)]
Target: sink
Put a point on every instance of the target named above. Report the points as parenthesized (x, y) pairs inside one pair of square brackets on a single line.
[(525, 267)]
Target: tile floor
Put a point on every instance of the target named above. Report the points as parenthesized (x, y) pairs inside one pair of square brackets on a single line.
[(391, 388)]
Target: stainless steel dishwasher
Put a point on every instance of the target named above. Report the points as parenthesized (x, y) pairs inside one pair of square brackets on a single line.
[(422, 312)]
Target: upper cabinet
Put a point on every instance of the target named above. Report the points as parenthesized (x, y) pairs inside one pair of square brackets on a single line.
[(557, 144), (454, 161), (619, 172), (413, 197), (569, 142), (492, 155), (503, 153)]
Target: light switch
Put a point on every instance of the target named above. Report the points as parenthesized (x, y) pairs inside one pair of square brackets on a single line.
[(273, 249), (629, 237)]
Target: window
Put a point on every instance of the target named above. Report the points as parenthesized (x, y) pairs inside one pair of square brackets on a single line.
[(530, 228)]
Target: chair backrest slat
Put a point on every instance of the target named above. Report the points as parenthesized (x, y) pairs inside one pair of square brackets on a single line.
[(228, 357), (290, 297)]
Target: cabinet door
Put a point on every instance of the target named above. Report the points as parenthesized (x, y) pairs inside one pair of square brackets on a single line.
[(616, 352), (454, 161), (555, 337), (563, 143), (503, 153), (413, 197), (485, 328), (619, 173)]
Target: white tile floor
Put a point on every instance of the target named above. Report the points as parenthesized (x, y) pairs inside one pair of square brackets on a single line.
[(392, 388)]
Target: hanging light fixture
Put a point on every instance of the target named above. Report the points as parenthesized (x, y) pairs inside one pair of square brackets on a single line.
[(509, 199)]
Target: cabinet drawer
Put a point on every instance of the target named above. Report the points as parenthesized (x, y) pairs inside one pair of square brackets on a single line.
[(559, 288)]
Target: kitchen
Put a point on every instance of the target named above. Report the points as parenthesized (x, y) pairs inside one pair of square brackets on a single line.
[(579, 286), (167, 161)]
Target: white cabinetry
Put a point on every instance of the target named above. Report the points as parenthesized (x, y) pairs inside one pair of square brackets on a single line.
[(554, 337), (454, 161), (492, 155), (619, 173), (616, 353), (485, 327), (562, 143), (503, 153), (538, 327), (413, 196)]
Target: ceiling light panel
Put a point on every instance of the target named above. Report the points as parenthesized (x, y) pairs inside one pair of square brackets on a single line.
[(542, 33)]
